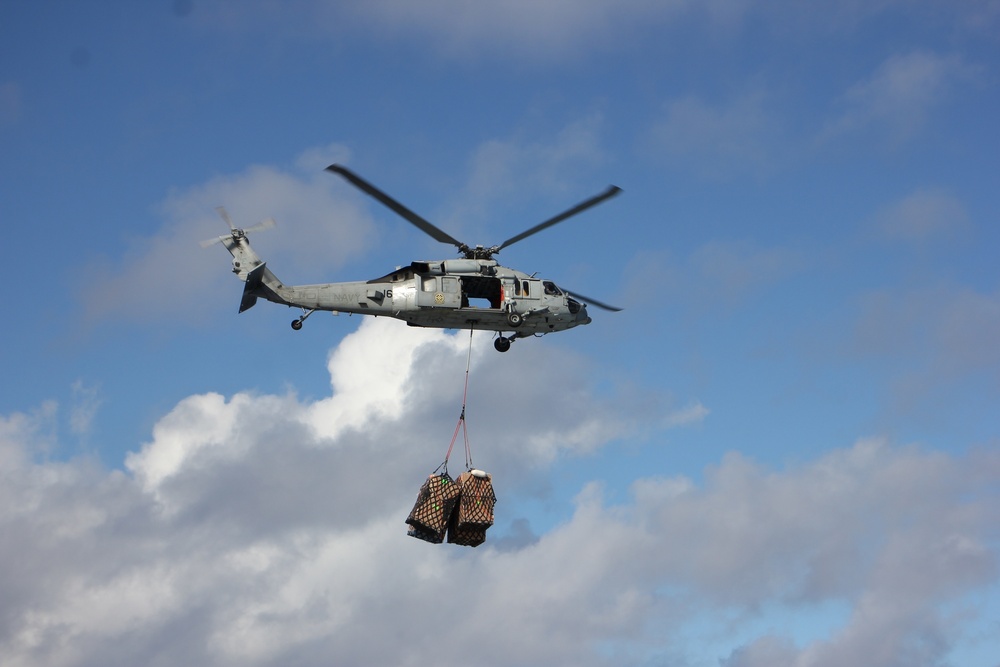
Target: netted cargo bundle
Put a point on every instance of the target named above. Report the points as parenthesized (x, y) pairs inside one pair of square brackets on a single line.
[(474, 514), (475, 505), (435, 504)]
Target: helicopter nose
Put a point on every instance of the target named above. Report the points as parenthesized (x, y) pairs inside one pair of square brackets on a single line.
[(579, 311)]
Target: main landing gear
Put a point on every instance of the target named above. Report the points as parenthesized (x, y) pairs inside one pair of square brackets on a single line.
[(502, 343)]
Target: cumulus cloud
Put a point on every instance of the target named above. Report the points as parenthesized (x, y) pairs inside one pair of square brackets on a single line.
[(167, 276), (266, 530)]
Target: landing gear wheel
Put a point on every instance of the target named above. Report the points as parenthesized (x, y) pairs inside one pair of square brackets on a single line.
[(501, 344), (514, 319), (296, 324)]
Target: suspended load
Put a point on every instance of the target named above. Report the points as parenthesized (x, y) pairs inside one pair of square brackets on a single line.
[(463, 508), (473, 514), (435, 505)]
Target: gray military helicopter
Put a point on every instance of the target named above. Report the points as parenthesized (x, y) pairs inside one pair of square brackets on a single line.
[(472, 292)]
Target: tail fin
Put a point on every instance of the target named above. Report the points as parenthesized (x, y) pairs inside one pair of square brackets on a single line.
[(248, 267), (252, 270), (253, 279)]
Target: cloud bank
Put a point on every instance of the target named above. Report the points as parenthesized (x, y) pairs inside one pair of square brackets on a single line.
[(267, 530), (167, 277)]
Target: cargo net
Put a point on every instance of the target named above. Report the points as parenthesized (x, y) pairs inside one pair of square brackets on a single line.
[(435, 504), (462, 508), (473, 514)]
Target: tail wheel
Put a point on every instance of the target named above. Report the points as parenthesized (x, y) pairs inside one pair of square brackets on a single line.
[(297, 323)]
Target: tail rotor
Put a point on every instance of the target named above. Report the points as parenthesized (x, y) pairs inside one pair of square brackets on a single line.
[(236, 233)]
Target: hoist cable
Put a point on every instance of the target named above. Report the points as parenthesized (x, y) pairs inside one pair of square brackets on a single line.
[(461, 418)]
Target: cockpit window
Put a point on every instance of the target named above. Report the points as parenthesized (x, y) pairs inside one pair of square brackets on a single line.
[(550, 288)]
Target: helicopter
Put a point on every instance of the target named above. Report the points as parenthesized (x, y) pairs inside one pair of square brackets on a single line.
[(473, 291)]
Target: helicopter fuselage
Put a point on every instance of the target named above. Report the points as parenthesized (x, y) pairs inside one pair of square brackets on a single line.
[(452, 294)]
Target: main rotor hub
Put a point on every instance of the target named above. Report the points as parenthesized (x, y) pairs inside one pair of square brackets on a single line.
[(479, 252)]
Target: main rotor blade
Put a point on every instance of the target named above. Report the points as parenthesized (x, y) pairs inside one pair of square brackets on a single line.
[(225, 216), (208, 242), (579, 208), (594, 302), (266, 223), (395, 206)]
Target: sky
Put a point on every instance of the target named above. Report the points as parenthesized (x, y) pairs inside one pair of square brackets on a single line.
[(782, 451)]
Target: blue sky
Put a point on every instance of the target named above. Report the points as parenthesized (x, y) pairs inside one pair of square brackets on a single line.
[(782, 451)]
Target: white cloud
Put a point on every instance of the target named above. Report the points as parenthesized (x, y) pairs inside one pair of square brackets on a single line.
[(518, 27), (86, 401), (261, 530), (923, 215), (900, 95), (560, 30), (167, 276), (385, 386)]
